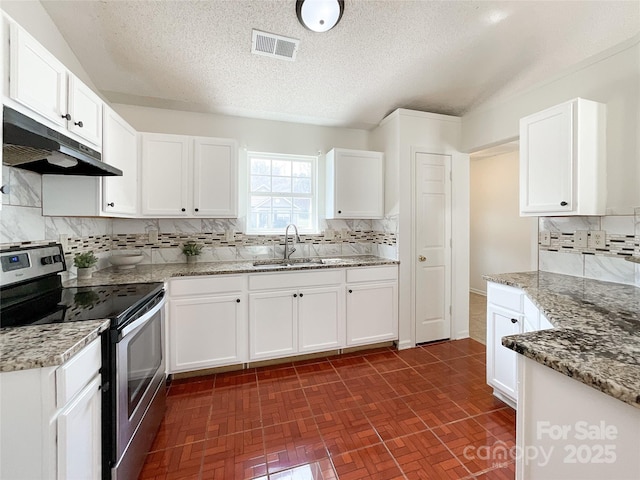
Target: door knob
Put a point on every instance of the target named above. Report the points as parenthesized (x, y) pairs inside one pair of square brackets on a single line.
[(422, 258)]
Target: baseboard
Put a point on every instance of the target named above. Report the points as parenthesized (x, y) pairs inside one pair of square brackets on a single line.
[(477, 292), (404, 344)]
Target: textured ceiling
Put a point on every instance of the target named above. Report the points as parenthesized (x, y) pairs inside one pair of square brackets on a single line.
[(437, 56)]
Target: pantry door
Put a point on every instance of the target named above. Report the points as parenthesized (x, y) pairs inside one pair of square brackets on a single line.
[(432, 246)]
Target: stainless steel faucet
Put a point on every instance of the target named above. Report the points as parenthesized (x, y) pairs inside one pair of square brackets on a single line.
[(287, 252)]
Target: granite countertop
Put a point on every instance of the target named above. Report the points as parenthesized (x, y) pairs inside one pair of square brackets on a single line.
[(596, 339), (163, 272), (39, 346)]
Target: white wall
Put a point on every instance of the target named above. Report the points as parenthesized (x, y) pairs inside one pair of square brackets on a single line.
[(612, 78), (501, 241)]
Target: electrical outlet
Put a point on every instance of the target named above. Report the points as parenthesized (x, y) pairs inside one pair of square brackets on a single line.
[(545, 238), (153, 236), (329, 234), (598, 238), (64, 241), (229, 235), (580, 238)]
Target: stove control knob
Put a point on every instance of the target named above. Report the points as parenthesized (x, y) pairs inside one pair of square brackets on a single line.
[(46, 260), (57, 259)]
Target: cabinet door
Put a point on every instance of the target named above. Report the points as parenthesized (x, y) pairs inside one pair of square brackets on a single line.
[(120, 149), (79, 435), (215, 178), (85, 108), (207, 332), (37, 79), (372, 313), (273, 328), (355, 184), (321, 319), (165, 175), (546, 161), (501, 361)]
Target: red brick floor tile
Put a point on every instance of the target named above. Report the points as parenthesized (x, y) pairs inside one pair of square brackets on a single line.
[(183, 462), (468, 366), (346, 430), (500, 423), (284, 407), (423, 456), (329, 397), (434, 408), (370, 389), (386, 361), (374, 463), (185, 401), (191, 386), (317, 373), (353, 367), (417, 356), (179, 427), (321, 470), (407, 381), (393, 418), (506, 472), (470, 442), (481, 402), (278, 380), (238, 456), (445, 350), (469, 346), (246, 378), (292, 444), (234, 410)]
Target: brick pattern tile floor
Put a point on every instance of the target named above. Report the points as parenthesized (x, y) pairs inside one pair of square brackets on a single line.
[(423, 413)]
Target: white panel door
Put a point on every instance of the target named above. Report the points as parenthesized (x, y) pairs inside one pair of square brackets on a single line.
[(546, 161), (215, 178), (273, 330), (206, 332), (37, 79), (79, 435), (120, 149), (321, 319), (85, 108), (165, 175), (372, 313), (433, 247)]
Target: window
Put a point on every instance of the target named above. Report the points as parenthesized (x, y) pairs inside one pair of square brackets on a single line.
[(282, 190)]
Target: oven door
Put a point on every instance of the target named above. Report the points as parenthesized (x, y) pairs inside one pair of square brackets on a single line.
[(140, 388)]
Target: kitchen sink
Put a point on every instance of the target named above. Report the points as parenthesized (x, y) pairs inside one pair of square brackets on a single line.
[(293, 262)]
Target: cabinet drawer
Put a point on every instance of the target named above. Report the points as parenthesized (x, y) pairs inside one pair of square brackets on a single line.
[(205, 285), (72, 376), (266, 281), (505, 297), (372, 274)]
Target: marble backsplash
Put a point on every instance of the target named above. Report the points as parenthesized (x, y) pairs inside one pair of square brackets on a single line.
[(159, 240), (608, 263)]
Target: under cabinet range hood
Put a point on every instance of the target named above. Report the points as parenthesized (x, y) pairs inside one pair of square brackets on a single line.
[(33, 146)]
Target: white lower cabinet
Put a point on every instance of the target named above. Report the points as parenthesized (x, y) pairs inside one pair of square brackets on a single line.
[(51, 420), (207, 323), (372, 305), (509, 312), (295, 313)]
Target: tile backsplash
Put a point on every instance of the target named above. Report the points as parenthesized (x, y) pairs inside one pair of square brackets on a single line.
[(607, 263), (159, 240)]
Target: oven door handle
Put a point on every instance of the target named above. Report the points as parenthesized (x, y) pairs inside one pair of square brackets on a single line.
[(142, 320)]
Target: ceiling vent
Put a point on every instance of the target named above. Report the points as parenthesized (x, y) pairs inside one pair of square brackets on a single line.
[(276, 46)]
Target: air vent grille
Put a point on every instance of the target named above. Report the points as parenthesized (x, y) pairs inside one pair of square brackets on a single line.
[(276, 46)]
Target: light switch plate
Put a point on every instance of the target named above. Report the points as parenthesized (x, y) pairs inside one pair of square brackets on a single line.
[(329, 234), (153, 236), (581, 238), (598, 238), (545, 238)]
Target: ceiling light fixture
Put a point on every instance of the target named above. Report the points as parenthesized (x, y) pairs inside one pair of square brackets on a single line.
[(319, 15)]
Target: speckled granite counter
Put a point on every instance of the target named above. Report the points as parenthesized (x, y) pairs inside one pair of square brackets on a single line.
[(163, 272), (45, 345), (596, 339)]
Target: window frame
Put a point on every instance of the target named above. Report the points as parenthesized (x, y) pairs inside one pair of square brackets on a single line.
[(313, 196)]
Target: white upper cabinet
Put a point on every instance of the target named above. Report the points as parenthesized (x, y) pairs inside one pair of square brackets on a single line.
[(355, 184), (120, 150), (563, 160), (189, 176), (41, 83)]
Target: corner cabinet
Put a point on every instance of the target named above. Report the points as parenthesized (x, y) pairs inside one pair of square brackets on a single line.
[(207, 324), (186, 176), (355, 184), (563, 160)]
